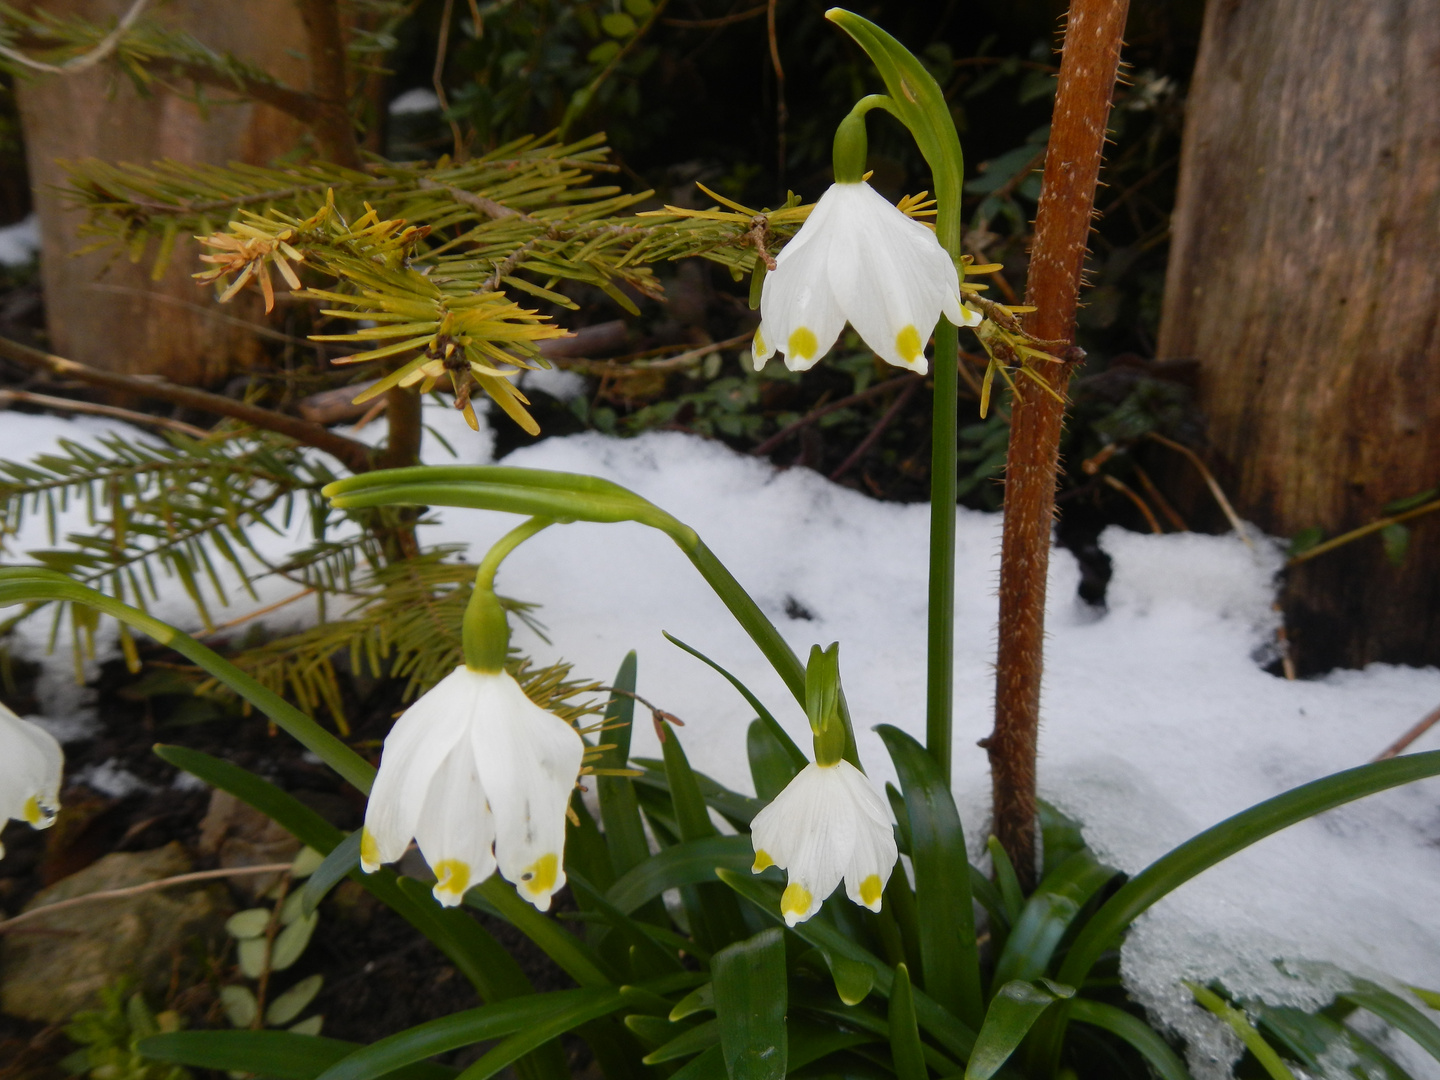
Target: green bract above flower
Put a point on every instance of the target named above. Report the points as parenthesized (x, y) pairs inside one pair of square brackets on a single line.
[(858, 258), (478, 774), (30, 766), (829, 823)]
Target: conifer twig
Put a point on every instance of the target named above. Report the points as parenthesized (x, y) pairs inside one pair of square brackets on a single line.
[(85, 60), (130, 416), (353, 454)]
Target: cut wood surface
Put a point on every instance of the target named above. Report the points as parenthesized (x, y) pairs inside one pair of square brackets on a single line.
[(1302, 277)]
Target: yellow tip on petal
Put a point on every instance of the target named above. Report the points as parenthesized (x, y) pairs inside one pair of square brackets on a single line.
[(453, 879), (908, 343), (369, 852), (763, 861), (795, 903), (802, 344), (759, 343), (32, 811), (870, 891), (539, 879)]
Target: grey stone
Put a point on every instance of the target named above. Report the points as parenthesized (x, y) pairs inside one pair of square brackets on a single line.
[(54, 966)]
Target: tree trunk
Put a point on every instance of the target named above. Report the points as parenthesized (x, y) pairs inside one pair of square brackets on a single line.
[(1302, 277), (120, 320)]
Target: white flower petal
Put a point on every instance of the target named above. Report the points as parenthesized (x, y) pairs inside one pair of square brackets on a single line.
[(799, 314), (873, 856), (414, 750), (528, 760), (455, 831), (816, 829), (31, 764)]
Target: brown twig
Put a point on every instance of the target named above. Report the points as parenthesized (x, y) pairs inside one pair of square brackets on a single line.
[(896, 408), (24, 397), (1134, 496), (354, 455), (6, 925), (1171, 514), (257, 613), (1364, 530), (1210, 482), (1431, 719), (715, 24), (437, 77), (1088, 65), (825, 410)]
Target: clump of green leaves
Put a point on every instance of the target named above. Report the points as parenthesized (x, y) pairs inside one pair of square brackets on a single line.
[(107, 1037)]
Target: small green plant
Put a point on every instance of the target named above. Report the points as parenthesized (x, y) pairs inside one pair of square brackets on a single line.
[(269, 940), (107, 1037)]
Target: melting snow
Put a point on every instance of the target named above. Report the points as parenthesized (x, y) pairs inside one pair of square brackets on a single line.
[(1158, 720)]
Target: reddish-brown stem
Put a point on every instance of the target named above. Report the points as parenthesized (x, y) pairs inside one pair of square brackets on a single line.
[(325, 44), (1088, 65)]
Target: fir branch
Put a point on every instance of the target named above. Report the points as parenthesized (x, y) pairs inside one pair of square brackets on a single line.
[(353, 454)]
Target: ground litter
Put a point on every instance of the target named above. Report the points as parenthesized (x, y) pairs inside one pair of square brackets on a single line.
[(1159, 719)]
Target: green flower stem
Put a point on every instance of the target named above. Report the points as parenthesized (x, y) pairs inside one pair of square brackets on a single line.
[(918, 102), (19, 585), (485, 631)]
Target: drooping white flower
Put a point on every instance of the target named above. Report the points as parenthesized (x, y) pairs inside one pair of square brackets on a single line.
[(30, 766), (829, 823), (858, 259), (480, 776)]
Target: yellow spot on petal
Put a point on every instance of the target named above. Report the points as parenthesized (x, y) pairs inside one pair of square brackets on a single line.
[(369, 850), (32, 811), (539, 878), (759, 344), (870, 891), (763, 861), (796, 900), (802, 343), (453, 875), (908, 342)]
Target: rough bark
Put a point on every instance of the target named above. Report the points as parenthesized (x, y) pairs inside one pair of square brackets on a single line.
[(133, 324), (1302, 277), (1088, 65)]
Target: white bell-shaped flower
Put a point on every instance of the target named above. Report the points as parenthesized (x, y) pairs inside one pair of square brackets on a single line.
[(829, 823), (860, 259), (480, 776), (31, 763)]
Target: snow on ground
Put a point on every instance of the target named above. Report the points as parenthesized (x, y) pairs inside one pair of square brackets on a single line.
[(19, 242), (1158, 720)]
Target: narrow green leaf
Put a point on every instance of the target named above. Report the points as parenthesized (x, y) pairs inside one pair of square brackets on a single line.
[(1316, 1040), (771, 767), (950, 960), (1239, 1023), (1234, 834), (1429, 997), (905, 1049), (537, 1034), (648, 956), (452, 1032), (701, 999), (708, 1066), (853, 979), (693, 1041), (942, 1025), (654, 1031), (620, 812), (1397, 1012), (279, 1055), (575, 958), (794, 753), (340, 863), (1012, 1013), (738, 809), (1145, 1039), (1047, 915), (1012, 899), (715, 917), (750, 1001)]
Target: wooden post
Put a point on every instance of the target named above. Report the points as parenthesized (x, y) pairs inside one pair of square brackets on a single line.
[(1302, 276)]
